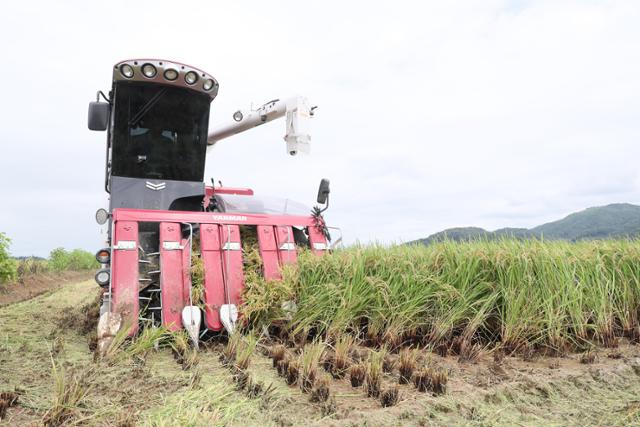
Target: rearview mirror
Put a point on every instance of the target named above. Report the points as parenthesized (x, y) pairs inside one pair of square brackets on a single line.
[(323, 191), (98, 115)]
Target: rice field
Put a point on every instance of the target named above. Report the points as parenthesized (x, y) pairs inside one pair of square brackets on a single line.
[(519, 296), (479, 333)]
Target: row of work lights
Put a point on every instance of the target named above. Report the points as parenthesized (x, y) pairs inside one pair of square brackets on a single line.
[(150, 70)]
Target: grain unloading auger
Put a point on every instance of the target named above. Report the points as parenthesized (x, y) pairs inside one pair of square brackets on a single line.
[(156, 115)]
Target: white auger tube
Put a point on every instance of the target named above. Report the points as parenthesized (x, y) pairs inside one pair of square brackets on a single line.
[(296, 110)]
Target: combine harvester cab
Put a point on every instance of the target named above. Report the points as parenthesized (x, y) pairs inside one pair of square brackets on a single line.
[(156, 116)]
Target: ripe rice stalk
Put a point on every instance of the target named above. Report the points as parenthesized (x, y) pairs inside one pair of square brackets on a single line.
[(373, 377), (438, 380), (197, 279), (151, 338), (342, 359), (246, 347), (431, 379), (267, 303), (229, 353), (421, 380), (468, 352), (407, 364), (250, 250), (115, 350), (310, 358), (516, 294), (185, 354), (392, 338)]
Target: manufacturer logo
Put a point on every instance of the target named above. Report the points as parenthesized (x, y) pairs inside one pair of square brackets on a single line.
[(156, 187), (229, 218)]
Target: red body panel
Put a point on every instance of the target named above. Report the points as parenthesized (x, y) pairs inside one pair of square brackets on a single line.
[(286, 245), (221, 254), (210, 191), (186, 269), (317, 241), (228, 190), (171, 275), (124, 274), (213, 275), (268, 252), (143, 215), (232, 262)]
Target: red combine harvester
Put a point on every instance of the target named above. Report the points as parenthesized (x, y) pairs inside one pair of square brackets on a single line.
[(156, 116)]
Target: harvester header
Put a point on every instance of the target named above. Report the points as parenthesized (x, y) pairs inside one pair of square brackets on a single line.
[(162, 218)]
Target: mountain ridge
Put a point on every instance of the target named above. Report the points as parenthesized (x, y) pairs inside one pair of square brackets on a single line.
[(616, 220)]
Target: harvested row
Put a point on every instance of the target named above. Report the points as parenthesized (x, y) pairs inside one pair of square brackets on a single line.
[(459, 297), (374, 372)]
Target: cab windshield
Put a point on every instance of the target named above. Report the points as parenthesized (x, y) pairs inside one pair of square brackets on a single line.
[(159, 132)]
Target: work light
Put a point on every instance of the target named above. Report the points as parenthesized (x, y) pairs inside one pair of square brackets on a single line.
[(103, 256), (102, 216), (126, 70), (208, 84), (149, 70), (171, 74), (103, 277), (191, 77)]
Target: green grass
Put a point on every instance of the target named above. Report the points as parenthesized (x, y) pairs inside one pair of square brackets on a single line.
[(516, 294)]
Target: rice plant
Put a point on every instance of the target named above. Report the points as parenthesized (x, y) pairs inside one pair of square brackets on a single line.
[(229, 353), (245, 351), (310, 358), (407, 364), (373, 376), (521, 296), (342, 360), (431, 379)]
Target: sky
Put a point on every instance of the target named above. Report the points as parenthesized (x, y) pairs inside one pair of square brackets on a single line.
[(431, 114)]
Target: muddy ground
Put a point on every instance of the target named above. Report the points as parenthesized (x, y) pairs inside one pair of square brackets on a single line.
[(45, 359)]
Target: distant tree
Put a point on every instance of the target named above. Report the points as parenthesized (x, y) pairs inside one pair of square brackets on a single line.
[(59, 259), (8, 266), (75, 260), (81, 260)]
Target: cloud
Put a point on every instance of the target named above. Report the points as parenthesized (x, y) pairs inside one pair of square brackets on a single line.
[(431, 114)]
